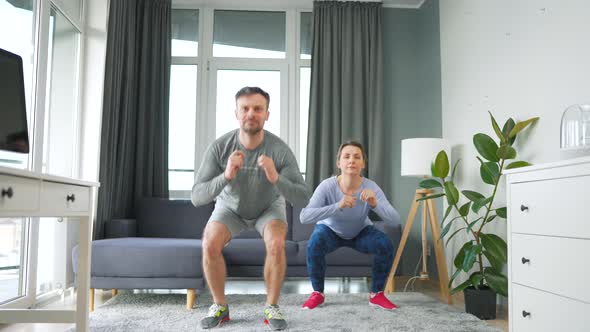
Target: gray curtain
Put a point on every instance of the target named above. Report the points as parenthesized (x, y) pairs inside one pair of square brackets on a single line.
[(346, 100), (134, 136)]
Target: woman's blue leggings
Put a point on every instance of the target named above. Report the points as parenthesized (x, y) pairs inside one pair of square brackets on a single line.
[(370, 240)]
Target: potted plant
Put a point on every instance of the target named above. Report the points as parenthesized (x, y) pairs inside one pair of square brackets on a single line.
[(476, 210)]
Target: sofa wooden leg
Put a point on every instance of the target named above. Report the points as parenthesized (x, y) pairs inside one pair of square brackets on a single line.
[(114, 292), (91, 299), (190, 298)]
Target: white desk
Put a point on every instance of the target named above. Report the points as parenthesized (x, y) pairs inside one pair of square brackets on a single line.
[(28, 194)]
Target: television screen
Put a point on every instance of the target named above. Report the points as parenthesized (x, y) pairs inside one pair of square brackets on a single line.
[(14, 135)]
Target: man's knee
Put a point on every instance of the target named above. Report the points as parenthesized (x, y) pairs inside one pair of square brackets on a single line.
[(215, 236), (275, 234)]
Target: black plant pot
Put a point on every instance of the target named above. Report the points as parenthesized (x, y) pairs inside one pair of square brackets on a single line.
[(480, 302)]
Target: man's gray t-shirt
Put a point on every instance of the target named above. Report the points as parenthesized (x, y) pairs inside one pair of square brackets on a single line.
[(249, 193)]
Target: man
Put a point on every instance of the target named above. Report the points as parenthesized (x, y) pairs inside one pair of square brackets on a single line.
[(251, 172)]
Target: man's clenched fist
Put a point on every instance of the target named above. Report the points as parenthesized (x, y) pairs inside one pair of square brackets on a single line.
[(234, 163), (268, 165)]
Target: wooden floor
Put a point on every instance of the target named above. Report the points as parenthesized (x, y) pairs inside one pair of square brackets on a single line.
[(255, 286)]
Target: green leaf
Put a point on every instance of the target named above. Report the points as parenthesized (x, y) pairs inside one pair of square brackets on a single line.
[(461, 287), (430, 183), (442, 225), (497, 128), (432, 170), (497, 281), (517, 164), (441, 165), (477, 205), (495, 246), (521, 125), (448, 227), (430, 197), (501, 212), (464, 209), (470, 257), (455, 274), (490, 218), (475, 279), (454, 233), (471, 224), (486, 146), (494, 261), (506, 131), (460, 257), (454, 170), (447, 212), (506, 152), (452, 193), (472, 195), (489, 172)]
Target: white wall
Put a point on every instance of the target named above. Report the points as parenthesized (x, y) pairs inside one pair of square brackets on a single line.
[(518, 59)]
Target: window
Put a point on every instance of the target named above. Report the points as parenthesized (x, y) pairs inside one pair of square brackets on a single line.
[(181, 150), (184, 78), (221, 51), (62, 90), (306, 36), (249, 34), (18, 18), (185, 32), (305, 45), (51, 87), (304, 79), (60, 144), (12, 258)]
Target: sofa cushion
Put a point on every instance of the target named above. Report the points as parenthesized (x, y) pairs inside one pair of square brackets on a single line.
[(301, 232), (252, 251), (145, 257), (164, 218)]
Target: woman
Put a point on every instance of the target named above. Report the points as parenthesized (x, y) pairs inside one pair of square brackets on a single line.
[(340, 206)]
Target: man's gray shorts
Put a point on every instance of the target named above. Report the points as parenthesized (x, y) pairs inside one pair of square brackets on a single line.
[(236, 224)]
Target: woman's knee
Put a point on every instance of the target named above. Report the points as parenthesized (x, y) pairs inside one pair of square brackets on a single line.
[(383, 246), (317, 242)]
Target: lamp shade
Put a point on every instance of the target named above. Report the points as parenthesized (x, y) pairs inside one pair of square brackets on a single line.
[(419, 153)]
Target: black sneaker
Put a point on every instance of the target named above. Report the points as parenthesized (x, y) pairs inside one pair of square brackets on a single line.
[(217, 314), (273, 318)]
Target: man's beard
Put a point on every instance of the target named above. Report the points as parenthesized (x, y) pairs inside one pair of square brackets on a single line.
[(251, 130)]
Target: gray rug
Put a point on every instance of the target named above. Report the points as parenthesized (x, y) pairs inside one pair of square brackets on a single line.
[(340, 312)]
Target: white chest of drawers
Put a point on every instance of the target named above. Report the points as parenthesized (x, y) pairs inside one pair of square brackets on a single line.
[(549, 246)]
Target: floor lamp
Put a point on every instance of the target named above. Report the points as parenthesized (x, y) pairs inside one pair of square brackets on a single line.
[(416, 157)]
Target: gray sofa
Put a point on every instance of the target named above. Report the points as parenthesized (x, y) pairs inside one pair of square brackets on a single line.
[(161, 249)]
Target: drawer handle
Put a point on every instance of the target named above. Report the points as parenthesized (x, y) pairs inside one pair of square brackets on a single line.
[(7, 192), (525, 313), (70, 198), (525, 260), (524, 208)]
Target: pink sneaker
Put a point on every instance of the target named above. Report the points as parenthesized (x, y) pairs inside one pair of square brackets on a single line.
[(379, 300), (315, 299)]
